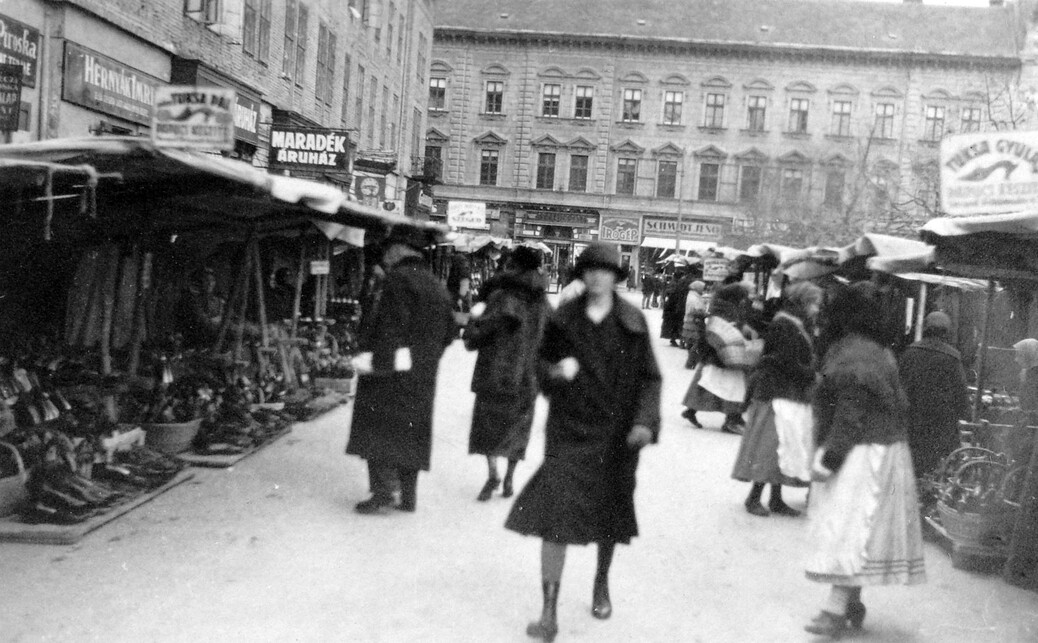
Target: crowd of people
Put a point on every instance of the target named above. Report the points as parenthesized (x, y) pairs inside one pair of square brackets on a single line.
[(807, 380)]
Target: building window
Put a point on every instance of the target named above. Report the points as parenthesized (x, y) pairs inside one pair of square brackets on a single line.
[(584, 97), (714, 114), (416, 128), (625, 173), (798, 115), (666, 179), (749, 182), (433, 164), (841, 118), (400, 40), (346, 65), (437, 94), (971, 119), (672, 102), (495, 97), (392, 121), (792, 183), (488, 167), (325, 64), (358, 111), (372, 99), (709, 178), (934, 127), (255, 28), (755, 112), (389, 30), (632, 106), (287, 66), (422, 43), (578, 173), (302, 17), (382, 125), (550, 100), (884, 126), (834, 182), (546, 171), (248, 27)]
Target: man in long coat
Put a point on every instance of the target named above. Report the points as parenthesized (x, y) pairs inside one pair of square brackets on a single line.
[(392, 417), (933, 379)]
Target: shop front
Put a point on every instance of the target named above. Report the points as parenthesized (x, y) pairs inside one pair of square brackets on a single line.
[(625, 232), (20, 46), (566, 234), (661, 236)]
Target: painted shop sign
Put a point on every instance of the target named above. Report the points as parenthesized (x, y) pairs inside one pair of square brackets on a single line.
[(466, 214), (559, 218), (619, 230), (194, 117), (715, 269), (701, 230), (20, 45), (302, 147), (10, 96), (100, 83), (246, 109), (989, 173)]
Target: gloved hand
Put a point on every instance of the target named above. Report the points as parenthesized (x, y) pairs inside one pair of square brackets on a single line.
[(639, 436), (567, 369)]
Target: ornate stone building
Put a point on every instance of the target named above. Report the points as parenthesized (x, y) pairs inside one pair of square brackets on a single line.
[(804, 121)]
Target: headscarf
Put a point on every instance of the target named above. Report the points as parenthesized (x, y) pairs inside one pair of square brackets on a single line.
[(1027, 349), (697, 286)]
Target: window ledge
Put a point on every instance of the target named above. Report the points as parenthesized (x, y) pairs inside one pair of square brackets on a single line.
[(883, 141), (490, 116), (928, 142), (712, 129), (434, 111), (839, 137), (631, 124), (672, 126), (754, 132), (797, 135), (548, 119)]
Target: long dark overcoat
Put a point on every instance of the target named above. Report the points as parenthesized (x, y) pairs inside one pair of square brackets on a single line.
[(674, 309), (508, 336), (392, 414), (584, 490), (933, 379)]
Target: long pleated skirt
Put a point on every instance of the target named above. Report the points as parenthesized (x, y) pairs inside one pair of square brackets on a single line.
[(864, 521), (758, 458)]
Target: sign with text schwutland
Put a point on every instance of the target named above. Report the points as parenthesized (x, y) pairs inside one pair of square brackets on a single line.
[(308, 148), (989, 172)]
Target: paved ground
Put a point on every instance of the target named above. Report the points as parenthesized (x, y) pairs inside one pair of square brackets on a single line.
[(271, 551)]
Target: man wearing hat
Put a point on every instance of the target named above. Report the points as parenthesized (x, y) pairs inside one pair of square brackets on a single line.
[(933, 379), (411, 325), (603, 387)]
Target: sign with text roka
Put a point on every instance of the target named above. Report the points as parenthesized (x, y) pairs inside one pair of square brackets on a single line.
[(193, 117), (989, 173), (466, 214)]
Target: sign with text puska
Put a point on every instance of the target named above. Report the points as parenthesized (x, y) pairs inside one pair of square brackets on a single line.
[(10, 96), (308, 148), (989, 172), (194, 117), (466, 214)]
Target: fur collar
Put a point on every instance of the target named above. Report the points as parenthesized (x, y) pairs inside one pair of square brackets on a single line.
[(856, 361), (629, 317)]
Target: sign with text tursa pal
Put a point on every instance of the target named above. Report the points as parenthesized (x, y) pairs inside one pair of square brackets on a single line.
[(308, 148), (989, 173), (194, 117)]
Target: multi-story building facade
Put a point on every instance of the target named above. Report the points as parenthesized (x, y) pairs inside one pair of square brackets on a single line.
[(800, 121), (91, 67)]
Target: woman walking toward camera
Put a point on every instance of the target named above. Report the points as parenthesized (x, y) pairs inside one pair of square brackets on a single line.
[(603, 387), (507, 335), (778, 444), (864, 518)]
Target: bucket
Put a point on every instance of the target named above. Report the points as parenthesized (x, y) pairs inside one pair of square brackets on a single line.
[(171, 438), (991, 530)]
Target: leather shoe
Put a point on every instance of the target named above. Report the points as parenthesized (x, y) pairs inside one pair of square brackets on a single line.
[(375, 505), (782, 509), (601, 606), (488, 489), (757, 509), (736, 429)]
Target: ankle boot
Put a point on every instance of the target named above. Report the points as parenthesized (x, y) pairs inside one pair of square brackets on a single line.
[(488, 489), (601, 607), (547, 628), (856, 614), (506, 488)]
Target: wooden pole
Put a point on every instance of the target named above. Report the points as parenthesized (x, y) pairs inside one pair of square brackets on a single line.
[(983, 366), (920, 313), (300, 276), (240, 282), (140, 316), (261, 298), (243, 305)]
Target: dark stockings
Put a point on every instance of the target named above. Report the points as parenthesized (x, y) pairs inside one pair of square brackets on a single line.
[(601, 606)]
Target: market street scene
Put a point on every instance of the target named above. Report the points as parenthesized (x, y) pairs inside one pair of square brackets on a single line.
[(505, 320)]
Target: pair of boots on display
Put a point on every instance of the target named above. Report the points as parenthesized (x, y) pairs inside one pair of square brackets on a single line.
[(547, 628)]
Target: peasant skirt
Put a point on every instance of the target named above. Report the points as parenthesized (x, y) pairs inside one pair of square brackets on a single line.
[(763, 455), (864, 521)]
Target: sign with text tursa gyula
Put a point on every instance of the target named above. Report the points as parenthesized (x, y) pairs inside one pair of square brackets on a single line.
[(193, 117), (989, 173)]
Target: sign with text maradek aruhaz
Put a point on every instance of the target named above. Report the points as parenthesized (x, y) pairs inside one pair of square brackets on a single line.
[(989, 172), (308, 148), (194, 117)]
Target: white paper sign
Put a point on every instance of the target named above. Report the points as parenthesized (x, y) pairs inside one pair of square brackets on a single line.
[(989, 173), (466, 214), (194, 117)]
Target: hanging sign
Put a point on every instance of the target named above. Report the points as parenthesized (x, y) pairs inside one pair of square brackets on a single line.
[(691, 230), (320, 267), (466, 214), (106, 85), (10, 96), (369, 190), (308, 148), (20, 45), (619, 230), (715, 269), (989, 173), (195, 117)]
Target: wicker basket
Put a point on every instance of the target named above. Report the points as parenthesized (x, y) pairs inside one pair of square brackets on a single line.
[(992, 530), (171, 438), (13, 489)]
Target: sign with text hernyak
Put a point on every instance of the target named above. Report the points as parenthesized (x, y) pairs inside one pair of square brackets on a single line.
[(989, 173), (309, 148), (194, 117)]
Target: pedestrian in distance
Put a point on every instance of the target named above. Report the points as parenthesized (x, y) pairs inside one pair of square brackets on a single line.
[(648, 287), (777, 446), (864, 518), (935, 384), (727, 350), (392, 416), (507, 332), (603, 387), (674, 308)]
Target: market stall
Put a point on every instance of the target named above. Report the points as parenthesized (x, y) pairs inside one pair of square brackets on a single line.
[(135, 287)]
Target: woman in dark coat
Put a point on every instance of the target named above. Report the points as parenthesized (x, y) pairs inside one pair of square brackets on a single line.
[(603, 387), (392, 414), (674, 309), (779, 390), (507, 335)]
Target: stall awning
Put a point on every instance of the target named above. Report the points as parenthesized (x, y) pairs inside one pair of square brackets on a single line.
[(997, 246), (139, 187), (687, 245)]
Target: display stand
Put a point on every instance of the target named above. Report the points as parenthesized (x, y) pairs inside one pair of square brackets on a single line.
[(229, 460), (13, 531)]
